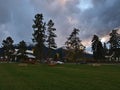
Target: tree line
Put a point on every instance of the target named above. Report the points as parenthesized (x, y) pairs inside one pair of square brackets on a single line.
[(44, 36), (101, 51)]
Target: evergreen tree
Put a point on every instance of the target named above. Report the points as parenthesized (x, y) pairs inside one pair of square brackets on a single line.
[(114, 39), (39, 35), (73, 45), (105, 49), (22, 50), (8, 48), (97, 48), (115, 44), (51, 37)]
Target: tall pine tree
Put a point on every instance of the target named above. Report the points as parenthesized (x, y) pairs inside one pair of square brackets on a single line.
[(97, 48), (115, 43), (114, 39), (51, 37), (8, 48), (22, 47), (73, 45), (39, 36)]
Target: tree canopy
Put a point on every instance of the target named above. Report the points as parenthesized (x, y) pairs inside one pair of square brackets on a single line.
[(97, 48), (73, 45), (51, 35), (39, 35), (22, 47), (114, 39), (8, 47)]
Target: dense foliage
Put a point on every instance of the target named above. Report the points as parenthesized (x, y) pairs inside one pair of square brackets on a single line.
[(39, 35), (74, 45), (51, 37), (22, 47), (97, 48), (8, 48)]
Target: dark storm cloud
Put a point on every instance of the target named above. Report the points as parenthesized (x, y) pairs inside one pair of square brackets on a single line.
[(99, 19), (102, 17), (62, 12), (16, 17), (4, 12)]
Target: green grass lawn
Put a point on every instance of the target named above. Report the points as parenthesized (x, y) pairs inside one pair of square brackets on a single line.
[(59, 77)]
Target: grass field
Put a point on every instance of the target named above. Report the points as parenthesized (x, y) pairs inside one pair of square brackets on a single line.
[(59, 77)]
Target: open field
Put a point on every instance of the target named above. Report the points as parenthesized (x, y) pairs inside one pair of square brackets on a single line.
[(59, 77)]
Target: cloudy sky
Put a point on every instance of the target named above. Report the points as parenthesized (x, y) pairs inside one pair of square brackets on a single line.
[(90, 16)]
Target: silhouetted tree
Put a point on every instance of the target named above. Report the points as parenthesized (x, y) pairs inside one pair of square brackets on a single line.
[(105, 49), (114, 39), (22, 47), (51, 37), (115, 43), (97, 48), (8, 48), (39, 35), (73, 44)]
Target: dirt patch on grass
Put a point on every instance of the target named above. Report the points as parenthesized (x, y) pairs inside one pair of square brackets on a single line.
[(23, 64)]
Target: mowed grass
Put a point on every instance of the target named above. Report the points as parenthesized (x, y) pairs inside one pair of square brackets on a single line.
[(59, 77)]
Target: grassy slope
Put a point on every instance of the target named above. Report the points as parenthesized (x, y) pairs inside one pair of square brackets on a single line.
[(60, 77)]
